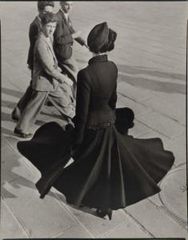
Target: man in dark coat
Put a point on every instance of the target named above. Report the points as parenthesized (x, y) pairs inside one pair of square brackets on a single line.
[(34, 29), (64, 37)]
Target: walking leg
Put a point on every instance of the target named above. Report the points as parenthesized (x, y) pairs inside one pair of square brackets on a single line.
[(62, 100), (16, 113), (31, 111)]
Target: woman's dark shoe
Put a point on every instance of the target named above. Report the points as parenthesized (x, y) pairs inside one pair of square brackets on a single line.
[(15, 115), (102, 213), (21, 134), (43, 188), (49, 104)]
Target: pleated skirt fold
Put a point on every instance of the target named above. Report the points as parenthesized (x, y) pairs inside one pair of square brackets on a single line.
[(114, 171)]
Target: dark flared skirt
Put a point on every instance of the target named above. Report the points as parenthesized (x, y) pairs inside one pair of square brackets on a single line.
[(110, 170)]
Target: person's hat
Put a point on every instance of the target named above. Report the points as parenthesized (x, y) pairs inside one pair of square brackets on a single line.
[(98, 37)]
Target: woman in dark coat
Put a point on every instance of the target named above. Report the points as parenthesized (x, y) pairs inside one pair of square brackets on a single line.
[(111, 169)]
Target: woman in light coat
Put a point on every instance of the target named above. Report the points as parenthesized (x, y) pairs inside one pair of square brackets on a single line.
[(47, 81)]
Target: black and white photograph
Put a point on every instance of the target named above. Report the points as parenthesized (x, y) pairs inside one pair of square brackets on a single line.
[(93, 119)]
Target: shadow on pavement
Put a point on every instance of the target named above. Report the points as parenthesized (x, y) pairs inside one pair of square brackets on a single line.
[(8, 104), (10, 177), (148, 71), (11, 92), (151, 84), (5, 117), (6, 131)]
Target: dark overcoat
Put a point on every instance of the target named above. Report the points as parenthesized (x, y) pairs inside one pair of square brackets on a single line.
[(96, 95), (34, 29), (63, 39)]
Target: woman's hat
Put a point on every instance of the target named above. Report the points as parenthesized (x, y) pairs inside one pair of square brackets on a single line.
[(98, 37)]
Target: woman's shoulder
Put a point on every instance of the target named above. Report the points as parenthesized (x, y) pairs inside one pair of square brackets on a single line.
[(113, 65), (83, 71), (83, 74)]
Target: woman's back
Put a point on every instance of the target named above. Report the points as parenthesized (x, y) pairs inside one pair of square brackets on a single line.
[(99, 81)]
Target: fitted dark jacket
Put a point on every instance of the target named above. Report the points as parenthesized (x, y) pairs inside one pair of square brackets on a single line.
[(96, 95), (34, 30), (63, 40)]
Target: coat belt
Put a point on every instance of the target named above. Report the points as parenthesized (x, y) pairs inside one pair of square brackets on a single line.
[(101, 125)]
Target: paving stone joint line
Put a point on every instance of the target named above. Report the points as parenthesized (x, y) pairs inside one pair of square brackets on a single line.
[(139, 223), (153, 109), (168, 212), (173, 216), (158, 78), (23, 228), (64, 206)]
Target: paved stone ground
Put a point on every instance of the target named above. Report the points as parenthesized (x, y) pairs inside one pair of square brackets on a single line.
[(150, 54)]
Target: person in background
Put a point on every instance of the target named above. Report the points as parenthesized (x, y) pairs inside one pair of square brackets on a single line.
[(34, 30), (46, 80), (64, 37)]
